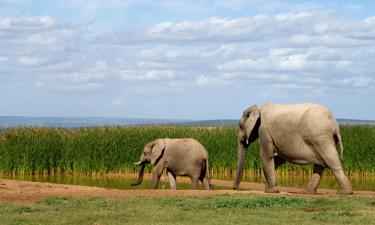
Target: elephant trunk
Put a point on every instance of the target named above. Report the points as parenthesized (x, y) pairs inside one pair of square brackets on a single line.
[(140, 175), (241, 156)]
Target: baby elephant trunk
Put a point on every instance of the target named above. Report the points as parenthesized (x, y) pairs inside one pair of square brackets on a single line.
[(140, 175)]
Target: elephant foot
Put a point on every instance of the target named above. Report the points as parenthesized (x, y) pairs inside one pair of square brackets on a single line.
[(272, 190), (310, 191), (345, 192)]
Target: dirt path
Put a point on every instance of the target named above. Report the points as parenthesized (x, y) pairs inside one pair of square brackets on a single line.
[(24, 191)]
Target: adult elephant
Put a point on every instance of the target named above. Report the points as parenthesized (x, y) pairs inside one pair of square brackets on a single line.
[(300, 133), (180, 157)]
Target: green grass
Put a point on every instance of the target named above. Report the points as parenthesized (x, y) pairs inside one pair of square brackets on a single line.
[(114, 149), (225, 209), (359, 148)]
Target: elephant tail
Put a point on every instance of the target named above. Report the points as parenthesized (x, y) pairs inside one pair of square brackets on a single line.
[(339, 141), (207, 174)]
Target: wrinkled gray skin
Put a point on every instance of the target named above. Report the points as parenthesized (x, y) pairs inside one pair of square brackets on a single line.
[(180, 157), (301, 133)]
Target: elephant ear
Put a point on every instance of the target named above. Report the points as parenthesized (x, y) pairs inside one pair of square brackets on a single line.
[(157, 151), (249, 120)]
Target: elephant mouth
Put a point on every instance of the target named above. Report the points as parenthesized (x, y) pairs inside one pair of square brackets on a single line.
[(143, 162)]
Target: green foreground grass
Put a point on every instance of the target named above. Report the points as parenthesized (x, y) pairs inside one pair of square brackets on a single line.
[(224, 209)]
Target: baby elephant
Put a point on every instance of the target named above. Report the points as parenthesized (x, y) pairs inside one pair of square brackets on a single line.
[(183, 157)]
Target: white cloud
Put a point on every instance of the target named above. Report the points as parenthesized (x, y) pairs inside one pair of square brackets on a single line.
[(98, 4), (205, 80), (286, 30), (50, 37), (370, 20), (14, 1), (29, 61), (118, 101), (92, 79), (288, 49), (72, 82), (273, 63), (86, 87), (283, 55), (27, 23), (147, 75), (287, 91), (357, 82), (3, 59), (294, 62), (41, 30), (81, 77)]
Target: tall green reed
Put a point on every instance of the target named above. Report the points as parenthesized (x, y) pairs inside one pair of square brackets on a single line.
[(115, 149)]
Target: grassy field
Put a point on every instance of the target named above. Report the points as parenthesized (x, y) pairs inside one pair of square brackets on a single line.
[(114, 149), (241, 209)]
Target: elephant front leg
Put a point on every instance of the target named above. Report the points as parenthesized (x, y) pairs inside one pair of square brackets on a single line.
[(158, 170), (278, 162), (172, 180), (315, 179), (267, 158)]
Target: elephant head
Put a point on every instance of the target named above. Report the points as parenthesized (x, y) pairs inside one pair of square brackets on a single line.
[(152, 153), (247, 133)]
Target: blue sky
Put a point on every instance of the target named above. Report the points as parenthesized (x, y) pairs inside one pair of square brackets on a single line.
[(184, 59)]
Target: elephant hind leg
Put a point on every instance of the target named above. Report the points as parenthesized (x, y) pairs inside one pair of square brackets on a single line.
[(342, 179), (206, 182), (203, 177), (315, 179), (194, 182), (332, 160)]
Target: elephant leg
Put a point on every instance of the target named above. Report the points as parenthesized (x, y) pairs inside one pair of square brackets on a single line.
[(315, 179), (278, 162), (332, 160), (206, 183), (156, 173), (194, 182), (172, 180), (267, 158)]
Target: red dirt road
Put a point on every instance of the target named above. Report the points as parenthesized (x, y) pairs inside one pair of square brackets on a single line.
[(24, 191)]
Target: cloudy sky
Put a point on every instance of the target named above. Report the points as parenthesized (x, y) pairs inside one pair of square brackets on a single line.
[(184, 59)]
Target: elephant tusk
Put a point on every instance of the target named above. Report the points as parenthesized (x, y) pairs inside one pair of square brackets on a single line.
[(137, 163)]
